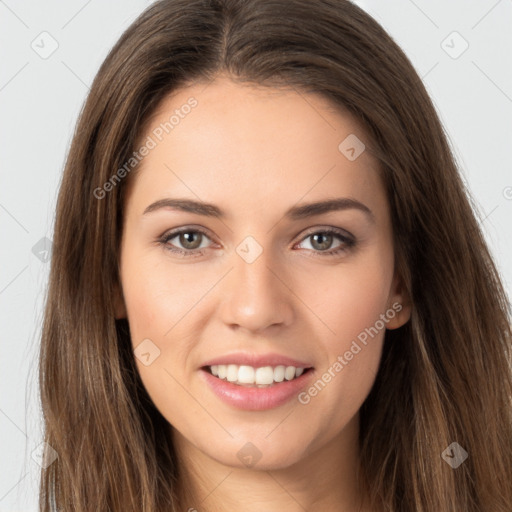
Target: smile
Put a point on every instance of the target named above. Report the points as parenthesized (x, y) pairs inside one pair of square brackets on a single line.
[(279, 386), (249, 376)]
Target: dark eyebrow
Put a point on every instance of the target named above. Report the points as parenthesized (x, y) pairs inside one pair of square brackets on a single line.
[(330, 205), (186, 205), (294, 213)]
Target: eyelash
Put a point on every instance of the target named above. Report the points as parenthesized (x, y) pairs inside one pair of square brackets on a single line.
[(348, 243)]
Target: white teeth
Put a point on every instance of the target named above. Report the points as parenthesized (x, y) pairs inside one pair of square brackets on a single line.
[(262, 377), (232, 375), (279, 373), (246, 374), (289, 373)]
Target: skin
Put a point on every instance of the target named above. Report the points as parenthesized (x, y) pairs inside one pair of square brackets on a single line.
[(255, 152)]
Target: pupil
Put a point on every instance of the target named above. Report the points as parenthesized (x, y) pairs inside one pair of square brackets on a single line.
[(186, 239), (324, 245)]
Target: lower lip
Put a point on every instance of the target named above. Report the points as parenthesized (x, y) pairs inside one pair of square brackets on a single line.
[(256, 399)]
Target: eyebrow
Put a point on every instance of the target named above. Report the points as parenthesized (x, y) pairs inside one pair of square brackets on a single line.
[(295, 213)]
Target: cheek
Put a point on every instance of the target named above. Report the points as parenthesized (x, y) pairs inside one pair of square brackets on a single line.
[(357, 296), (354, 351), (157, 301), (163, 302), (158, 295), (353, 309), (145, 305)]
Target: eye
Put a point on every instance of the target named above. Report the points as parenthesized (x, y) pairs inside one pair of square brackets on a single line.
[(191, 241), (322, 241), (188, 242)]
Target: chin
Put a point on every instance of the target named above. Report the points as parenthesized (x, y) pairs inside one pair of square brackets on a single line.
[(265, 455)]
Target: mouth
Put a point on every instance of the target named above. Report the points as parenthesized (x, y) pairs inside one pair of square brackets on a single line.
[(255, 377)]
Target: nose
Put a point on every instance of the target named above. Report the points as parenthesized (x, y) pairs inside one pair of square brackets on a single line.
[(257, 295)]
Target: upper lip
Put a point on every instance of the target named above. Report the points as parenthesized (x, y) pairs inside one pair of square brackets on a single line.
[(257, 360)]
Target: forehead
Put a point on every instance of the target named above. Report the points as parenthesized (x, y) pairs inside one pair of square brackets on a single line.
[(247, 145)]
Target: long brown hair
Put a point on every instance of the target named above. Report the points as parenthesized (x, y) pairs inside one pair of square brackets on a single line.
[(445, 376)]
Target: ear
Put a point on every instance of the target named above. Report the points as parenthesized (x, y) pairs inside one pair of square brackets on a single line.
[(119, 305), (400, 302)]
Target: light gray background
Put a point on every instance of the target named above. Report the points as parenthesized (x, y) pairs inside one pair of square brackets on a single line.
[(40, 99)]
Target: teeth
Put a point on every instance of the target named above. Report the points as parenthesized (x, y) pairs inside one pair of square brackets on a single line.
[(279, 373), (261, 377), (289, 373), (232, 375), (246, 375)]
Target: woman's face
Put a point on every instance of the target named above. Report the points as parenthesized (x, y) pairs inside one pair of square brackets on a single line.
[(257, 280)]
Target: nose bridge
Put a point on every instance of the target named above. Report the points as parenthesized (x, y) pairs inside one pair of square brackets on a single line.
[(255, 297)]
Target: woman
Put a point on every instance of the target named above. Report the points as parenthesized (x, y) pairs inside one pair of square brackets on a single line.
[(269, 289)]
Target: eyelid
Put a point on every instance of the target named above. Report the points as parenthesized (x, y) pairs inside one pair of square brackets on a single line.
[(328, 229), (170, 233)]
